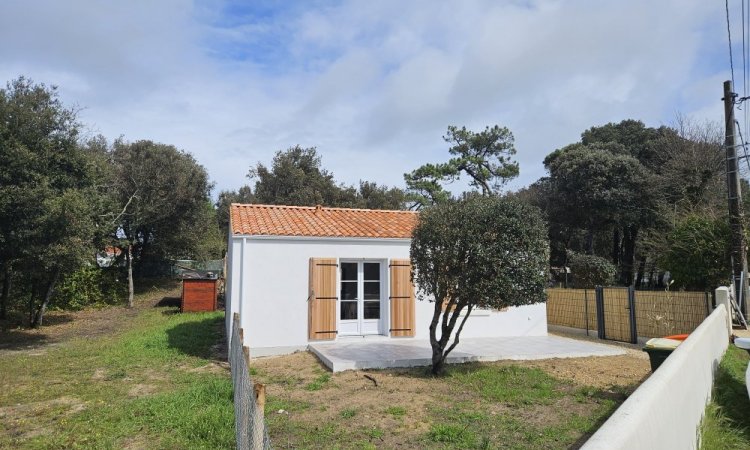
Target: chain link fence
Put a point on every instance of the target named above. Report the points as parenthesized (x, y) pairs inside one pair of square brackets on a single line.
[(249, 398)]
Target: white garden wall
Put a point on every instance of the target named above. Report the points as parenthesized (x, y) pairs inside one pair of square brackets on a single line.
[(666, 410), (268, 286)]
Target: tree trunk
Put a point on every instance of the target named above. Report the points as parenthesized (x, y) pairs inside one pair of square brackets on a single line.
[(641, 270), (439, 350), (39, 316), (438, 361), (129, 256), (590, 241), (32, 296), (616, 247), (5, 293), (630, 234)]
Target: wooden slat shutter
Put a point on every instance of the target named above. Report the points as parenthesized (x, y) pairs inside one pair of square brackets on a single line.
[(402, 299), (322, 298)]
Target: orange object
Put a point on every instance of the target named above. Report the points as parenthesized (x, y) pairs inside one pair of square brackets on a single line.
[(677, 337), (198, 294)]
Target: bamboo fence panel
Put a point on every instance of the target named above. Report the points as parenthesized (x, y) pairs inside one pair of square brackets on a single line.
[(663, 313), (569, 308)]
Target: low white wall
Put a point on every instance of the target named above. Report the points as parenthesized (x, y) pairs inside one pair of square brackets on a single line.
[(666, 410)]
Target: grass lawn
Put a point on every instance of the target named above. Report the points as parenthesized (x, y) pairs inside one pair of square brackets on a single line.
[(488, 405), (153, 378), (153, 384), (727, 421)]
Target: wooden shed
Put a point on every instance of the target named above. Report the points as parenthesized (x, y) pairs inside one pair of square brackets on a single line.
[(199, 294)]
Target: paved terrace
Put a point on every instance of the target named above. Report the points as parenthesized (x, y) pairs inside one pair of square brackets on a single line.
[(378, 352)]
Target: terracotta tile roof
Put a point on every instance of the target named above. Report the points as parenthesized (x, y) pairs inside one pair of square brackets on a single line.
[(278, 220)]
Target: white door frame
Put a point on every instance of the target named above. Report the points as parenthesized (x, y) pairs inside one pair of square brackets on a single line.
[(361, 326)]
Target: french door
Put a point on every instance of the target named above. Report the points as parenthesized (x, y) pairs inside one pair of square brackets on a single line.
[(360, 297)]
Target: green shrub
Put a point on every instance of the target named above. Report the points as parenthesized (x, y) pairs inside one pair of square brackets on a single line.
[(590, 270), (699, 253), (88, 286)]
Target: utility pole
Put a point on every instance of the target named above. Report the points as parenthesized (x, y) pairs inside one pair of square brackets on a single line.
[(734, 194)]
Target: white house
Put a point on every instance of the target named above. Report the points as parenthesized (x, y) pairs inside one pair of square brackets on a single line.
[(298, 275)]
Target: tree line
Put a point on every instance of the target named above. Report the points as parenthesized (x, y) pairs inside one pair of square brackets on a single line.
[(644, 201), (625, 203), (66, 197)]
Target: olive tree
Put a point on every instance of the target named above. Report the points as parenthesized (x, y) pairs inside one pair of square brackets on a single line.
[(479, 252)]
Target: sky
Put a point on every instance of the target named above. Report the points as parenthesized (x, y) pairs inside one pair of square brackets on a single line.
[(373, 85)]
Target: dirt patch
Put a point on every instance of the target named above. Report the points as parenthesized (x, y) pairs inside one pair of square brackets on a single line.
[(29, 420), (213, 367), (141, 390), (61, 326), (602, 372), (136, 443), (624, 371)]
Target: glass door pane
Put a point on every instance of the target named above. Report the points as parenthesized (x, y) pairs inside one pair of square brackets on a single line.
[(349, 291), (371, 288)]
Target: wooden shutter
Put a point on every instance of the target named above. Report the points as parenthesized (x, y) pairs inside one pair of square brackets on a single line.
[(322, 298), (402, 299)]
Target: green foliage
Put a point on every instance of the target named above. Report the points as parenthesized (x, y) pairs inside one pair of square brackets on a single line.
[(485, 157), (487, 252), (479, 252), (48, 191), (618, 191), (596, 186), (89, 286), (226, 198), (591, 270), (297, 178), (698, 253), (163, 206)]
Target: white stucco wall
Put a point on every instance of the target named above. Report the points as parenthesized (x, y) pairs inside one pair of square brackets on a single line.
[(268, 284), (666, 410)]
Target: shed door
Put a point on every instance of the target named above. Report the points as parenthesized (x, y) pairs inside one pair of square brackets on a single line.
[(402, 299), (322, 299)]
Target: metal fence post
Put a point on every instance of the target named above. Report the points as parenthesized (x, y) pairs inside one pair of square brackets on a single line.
[(600, 312), (586, 309), (631, 310), (708, 304)]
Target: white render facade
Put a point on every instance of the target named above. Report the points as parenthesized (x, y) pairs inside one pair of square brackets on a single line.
[(268, 285)]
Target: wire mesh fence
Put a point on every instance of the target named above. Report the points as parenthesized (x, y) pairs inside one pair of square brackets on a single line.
[(575, 308), (249, 398), (616, 314), (625, 314), (663, 313)]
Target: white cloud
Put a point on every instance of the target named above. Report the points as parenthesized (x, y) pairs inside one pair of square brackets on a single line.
[(372, 84)]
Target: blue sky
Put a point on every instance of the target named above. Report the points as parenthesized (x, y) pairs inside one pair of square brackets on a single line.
[(372, 85)]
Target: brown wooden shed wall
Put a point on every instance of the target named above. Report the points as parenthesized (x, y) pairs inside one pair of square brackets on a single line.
[(198, 295)]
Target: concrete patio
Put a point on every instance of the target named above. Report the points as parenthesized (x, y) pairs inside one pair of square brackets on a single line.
[(378, 352)]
